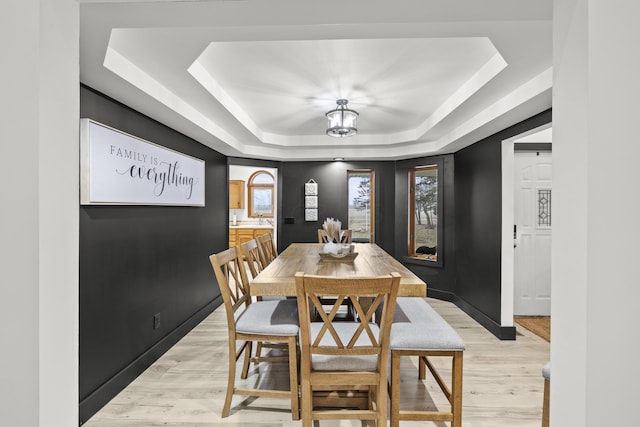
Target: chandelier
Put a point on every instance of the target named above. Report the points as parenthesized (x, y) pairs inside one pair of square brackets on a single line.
[(342, 121)]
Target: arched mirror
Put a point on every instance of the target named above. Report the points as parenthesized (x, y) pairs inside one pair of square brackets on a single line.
[(260, 187)]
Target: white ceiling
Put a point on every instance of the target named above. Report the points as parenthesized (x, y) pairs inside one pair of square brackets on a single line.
[(254, 78)]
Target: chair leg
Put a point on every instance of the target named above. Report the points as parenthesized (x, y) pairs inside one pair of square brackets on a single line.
[(247, 360), (293, 378), (545, 404), (371, 400), (306, 403), (422, 368), (306, 396), (232, 378), (258, 350), (395, 389), (381, 403), (456, 389)]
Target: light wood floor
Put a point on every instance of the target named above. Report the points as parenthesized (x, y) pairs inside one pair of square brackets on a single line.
[(502, 383)]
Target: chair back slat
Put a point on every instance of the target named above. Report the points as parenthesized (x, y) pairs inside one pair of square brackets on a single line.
[(267, 248), (330, 338), (327, 319), (232, 279), (323, 236), (254, 259)]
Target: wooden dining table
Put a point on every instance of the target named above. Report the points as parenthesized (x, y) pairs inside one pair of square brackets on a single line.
[(278, 278)]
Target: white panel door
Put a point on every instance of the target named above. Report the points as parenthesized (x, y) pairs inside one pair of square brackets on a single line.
[(532, 238)]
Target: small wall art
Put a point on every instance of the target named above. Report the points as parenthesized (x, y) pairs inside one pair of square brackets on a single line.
[(311, 202), (311, 188), (311, 214)]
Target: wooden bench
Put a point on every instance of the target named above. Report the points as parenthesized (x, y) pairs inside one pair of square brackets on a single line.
[(418, 330)]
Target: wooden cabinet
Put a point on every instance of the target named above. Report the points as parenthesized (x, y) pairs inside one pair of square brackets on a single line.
[(236, 194), (260, 231), (244, 235), (233, 237), (238, 236)]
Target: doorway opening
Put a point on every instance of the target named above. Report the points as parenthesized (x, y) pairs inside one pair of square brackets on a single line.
[(252, 203), (540, 136)]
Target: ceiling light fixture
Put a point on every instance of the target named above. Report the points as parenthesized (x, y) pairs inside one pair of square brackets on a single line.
[(342, 121)]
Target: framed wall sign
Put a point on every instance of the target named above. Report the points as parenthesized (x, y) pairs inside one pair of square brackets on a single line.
[(120, 169)]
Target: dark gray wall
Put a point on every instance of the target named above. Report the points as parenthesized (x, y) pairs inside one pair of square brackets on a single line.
[(478, 224), (471, 221), (136, 261), (332, 199), (440, 280)]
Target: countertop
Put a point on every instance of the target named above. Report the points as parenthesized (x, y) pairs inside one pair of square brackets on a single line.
[(251, 226)]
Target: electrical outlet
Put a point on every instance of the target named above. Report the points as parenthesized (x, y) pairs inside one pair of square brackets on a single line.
[(156, 321)]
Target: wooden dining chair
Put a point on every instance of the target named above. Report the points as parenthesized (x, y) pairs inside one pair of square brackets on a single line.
[(323, 237), (343, 357), (267, 248), (248, 322), (253, 259)]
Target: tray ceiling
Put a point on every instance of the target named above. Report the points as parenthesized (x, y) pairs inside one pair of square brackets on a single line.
[(255, 78)]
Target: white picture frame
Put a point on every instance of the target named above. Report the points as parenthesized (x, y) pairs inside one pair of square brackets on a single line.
[(121, 169), (311, 214), (311, 188), (311, 202)]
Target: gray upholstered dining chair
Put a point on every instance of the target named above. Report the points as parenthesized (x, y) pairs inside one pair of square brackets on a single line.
[(253, 258), (345, 355), (248, 322)]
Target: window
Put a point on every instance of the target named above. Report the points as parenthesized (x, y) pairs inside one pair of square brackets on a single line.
[(423, 212), (261, 194), (544, 208), (361, 205)]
